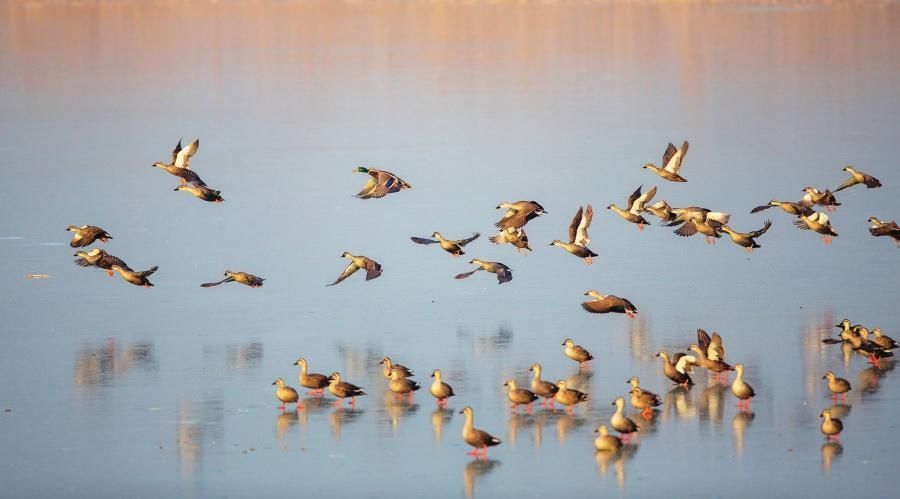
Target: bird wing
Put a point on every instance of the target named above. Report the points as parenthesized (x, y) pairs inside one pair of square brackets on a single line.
[(148, 272), (850, 182), (422, 240), (674, 163), (637, 205), (667, 155), (871, 181), (757, 233), (634, 195), (463, 242), (573, 227), (802, 223), (346, 273), (467, 274), (211, 284), (687, 229), (367, 189), (582, 238), (182, 156), (761, 208), (717, 216), (373, 269), (685, 363), (888, 229), (597, 306), (504, 274), (703, 340)]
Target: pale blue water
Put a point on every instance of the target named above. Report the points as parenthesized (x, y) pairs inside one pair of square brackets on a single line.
[(116, 390)]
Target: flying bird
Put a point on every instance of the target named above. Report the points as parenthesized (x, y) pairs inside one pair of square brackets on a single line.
[(202, 192), (817, 222), (86, 235), (504, 273), (373, 268), (578, 235), (517, 237), (671, 163), (748, 239), (180, 165), (858, 177), (380, 184), (100, 259), (604, 304), (240, 277), (634, 207), (454, 247), (519, 213), (881, 228)]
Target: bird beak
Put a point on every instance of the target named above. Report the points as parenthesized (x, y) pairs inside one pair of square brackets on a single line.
[(614, 403), (598, 429), (465, 411), (587, 293), (505, 384), (432, 375), (382, 362), (274, 383), (531, 369), (823, 377), (175, 189), (563, 343), (657, 355), (551, 244)]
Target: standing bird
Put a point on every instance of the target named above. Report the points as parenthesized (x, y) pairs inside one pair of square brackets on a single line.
[(788, 207), (837, 386), (642, 399), (401, 385), (517, 237), (606, 442), (622, 423), (858, 177), (678, 368), (479, 439), (576, 352), (454, 247), (342, 390), (831, 427), (440, 390), (373, 268), (390, 367), (202, 192), (100, 259), (569, 397), (86, 235), (813, 196), (880, 228), (543, 389), (634, 207), (286, 394), (883, 340), (746, 240), (519, 213), (136, 278), (743, 391), (671, 163), (180, 165), (314, 381), (604, 304), (578, 235), (504, 273), (519, 396), (817, 222), (380, 184), (240, 277)]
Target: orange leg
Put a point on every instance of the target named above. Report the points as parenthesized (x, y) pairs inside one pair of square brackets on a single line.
[(640, 226), (353, 402), (630, 314)]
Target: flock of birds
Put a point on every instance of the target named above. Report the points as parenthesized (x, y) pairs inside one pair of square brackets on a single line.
[(707, 353)]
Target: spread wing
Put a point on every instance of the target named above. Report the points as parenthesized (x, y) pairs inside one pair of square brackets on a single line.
[(765, 227), (761, 208), (703, 340), (373, 269), (182, 156), (687, 229), (581, 237), (422, 240), (504, 274), (367, 189), (638, 205), (674, 163), (211, 284), (346, 273), (463, 242), (667, 155), (148, 272), (717, 348), (802, 223), (850, 182), (633, 197), (573, 227), (871, 181), (467, 274), (513, 218), (719, 217)]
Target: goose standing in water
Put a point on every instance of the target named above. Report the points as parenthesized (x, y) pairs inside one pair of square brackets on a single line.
[(519, 396), (678, 368), (240, 277), (880, 228), (400, 385), (606, 442), (858, 177), (634, 207), (454, 247), (479, 439), (100, 259), (314, 381), (86, 235), (671, 163), (342, 390), (544, 389), (622, 423), (746, 240), (202, 192), (373, 268), (642, 399), (788, 207), (603, 304), (136, 278), (813, 196), (569, 397), (517, 237), (576, 352), (519, 213), (180, 165), (837, 386), (817, 222), (743, 391), (286, 394), (439, 390), (504, 273), (578, 235), (380, 184), (831, 427)]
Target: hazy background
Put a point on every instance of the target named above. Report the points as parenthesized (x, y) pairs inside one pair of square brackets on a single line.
[(114, 389)]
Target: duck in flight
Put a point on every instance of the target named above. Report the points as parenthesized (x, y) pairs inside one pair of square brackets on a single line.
[(136, 278), (817, 222), (504, 273), (880, 228), (357, 262), (604, 304), (746, 239), (202, 192), (578, 235), (380, 184), (241, 277), (517, 237), (180, 165), (100, 259), (519, 213), (671, 163), (86, 235), (454, 247), (634, 207), (858, 177)]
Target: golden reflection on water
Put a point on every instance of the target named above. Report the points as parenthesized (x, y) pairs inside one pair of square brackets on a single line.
[(474, 470), (101, 365), (617, 459), (830, 452), (739, 424), (440, 417)]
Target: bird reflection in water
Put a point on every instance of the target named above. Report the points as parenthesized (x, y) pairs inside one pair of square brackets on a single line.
[(310, 404), (637, 340), (491, 344), (440, 417), (617, 459), (517, 421), (341, 416), (247, 356), (101, 365), (565, 423), (868, 378), (284, 422), (581, 380), (830, 452), (678, 400), (397, 410), (840, 410), (711, 403), (739, 424), (475, 469)]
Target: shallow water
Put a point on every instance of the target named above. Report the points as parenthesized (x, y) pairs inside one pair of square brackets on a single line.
[(110, 389)]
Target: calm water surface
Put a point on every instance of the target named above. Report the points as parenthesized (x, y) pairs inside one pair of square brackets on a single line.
[(112, 390)]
